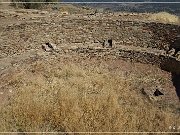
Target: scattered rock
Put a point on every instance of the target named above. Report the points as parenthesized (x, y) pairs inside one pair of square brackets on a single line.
[(143, 92), (65, 13), (178, 55), (151, 95), (44, 12), (171, 52), (51, 45), (107, 43), (46, 48), (147, 94)]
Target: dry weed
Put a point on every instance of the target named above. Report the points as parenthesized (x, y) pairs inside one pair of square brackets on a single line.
[(165, 17), (75, 99)]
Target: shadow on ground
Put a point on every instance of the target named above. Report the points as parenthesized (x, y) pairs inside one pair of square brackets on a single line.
[(176, 83)]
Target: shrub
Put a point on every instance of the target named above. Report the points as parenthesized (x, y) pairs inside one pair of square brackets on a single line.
[(31, 4)]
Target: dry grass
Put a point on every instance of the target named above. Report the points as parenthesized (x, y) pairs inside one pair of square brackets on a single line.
[(165, 17), (76, 98)]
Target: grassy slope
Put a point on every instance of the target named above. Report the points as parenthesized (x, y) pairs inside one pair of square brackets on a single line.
[(70, 97)]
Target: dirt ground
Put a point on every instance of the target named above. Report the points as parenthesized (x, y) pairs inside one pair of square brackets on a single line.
[(30, 76)]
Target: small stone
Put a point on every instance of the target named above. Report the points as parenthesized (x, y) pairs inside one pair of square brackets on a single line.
[(107, 43), (44, 12), (65, 13), (51, 45), (46, 48), (143, 92), (178, 55), (171, 52), (1, 93)]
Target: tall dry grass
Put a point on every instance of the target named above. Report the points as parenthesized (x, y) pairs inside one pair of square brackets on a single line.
[(72, 98), (164, 17)]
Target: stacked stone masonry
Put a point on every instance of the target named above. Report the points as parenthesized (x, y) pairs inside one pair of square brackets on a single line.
[(146, 42)]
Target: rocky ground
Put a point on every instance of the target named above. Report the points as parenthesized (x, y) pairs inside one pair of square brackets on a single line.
[(35, 43)]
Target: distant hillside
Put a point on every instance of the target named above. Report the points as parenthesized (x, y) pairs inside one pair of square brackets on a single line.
[(133, 7), (122, 0), (171, 8)]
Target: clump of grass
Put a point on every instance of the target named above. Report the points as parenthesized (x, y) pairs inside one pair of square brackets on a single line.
[(165, 17), (71, 98)]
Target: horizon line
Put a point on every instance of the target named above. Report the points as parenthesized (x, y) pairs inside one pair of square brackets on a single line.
[(71, 2)]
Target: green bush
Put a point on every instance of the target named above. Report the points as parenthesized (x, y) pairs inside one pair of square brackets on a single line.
[(31, 5)]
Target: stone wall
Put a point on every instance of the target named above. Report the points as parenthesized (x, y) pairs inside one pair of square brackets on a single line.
[(89, 31), (145, 42), (158, 58)]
